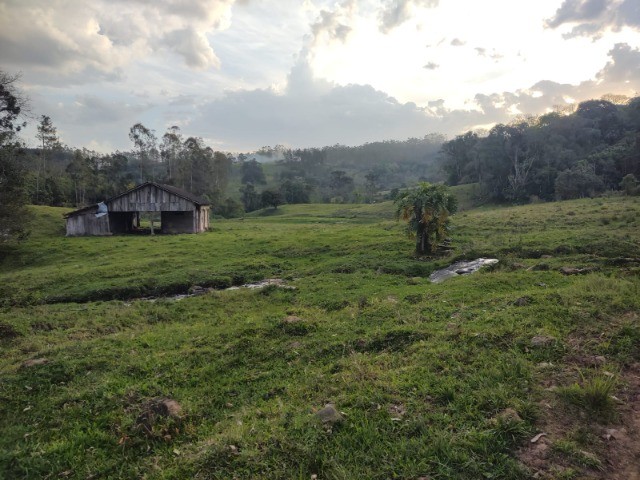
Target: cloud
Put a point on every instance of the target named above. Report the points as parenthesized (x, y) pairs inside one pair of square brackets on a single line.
[(592, 18), (333, 24), (620, 75), (493, 54), (310, 112), (396, 12), (431, 66), (67, 38), (456, 42)]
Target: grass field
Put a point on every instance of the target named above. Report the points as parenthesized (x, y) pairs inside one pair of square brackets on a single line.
[(433, 381)]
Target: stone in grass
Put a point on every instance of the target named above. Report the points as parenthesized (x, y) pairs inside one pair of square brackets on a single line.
[(542, 341), (576, 271), (540, 267), (34, 362), (292, 319), (329, 415), (155, 410), (508, 415), (522, 301)]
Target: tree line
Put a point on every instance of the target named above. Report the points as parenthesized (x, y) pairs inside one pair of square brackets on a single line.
[(559, 155)]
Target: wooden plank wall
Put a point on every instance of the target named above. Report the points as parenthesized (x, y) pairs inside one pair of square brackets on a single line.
[(150, 199), (87, 224)]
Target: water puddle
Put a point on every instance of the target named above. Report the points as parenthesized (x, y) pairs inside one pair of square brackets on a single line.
[(461, 268)]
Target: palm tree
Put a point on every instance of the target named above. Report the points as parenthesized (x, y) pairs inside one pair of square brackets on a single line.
[(426, 209)]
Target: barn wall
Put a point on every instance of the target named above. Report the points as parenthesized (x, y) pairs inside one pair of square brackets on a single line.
[(177, 222), (150, 199), (202, 219), (87, 224)]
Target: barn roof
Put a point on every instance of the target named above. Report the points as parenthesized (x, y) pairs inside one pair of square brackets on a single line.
[(167, 188)]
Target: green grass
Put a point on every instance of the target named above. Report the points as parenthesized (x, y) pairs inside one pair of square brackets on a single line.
[(422, 372)]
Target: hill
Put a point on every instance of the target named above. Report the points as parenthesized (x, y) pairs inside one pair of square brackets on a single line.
[(449, 380)]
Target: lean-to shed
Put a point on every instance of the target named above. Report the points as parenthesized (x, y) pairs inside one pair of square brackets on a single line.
[(180, 212)]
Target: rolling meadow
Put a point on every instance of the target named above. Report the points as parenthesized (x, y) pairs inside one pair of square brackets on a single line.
[(354, 365)]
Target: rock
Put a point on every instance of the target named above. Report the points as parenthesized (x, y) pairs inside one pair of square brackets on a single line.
[(464, 271), (35, 362), (295, 345), (545, 365), (546, 256), (540, 267), (169, 408), (542, 341), (197, 290), (538, 437), (329, 414), (292, 319), (397, 410), (414, 281), (156, 410), (576, 271), (508, 415), (541, 284), (522, 301)]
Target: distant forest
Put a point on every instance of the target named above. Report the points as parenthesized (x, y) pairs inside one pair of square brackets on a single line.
[(565, 155), (582, 152)]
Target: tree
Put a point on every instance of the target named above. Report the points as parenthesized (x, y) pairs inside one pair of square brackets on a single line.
[(48, 136), (427, 209), (629, 184), (250, 198), (295, 190), (578, 182), (252, 172), (80, 172), (145, 141), (12, 105), (220, 170), (170, 150), (14, 215), (271, 198), (341, 185)]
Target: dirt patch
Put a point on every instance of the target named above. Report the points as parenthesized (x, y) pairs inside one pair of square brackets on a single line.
[(7, 332), (578, 441)]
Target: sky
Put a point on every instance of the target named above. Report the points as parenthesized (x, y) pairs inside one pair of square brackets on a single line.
[(243, 74)]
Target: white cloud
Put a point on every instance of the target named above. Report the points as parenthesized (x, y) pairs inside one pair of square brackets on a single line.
[(396, 12), (101, 38)]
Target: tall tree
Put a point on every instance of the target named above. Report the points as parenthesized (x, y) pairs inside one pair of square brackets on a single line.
[(48, 136), (220, 170), (14, 216), (171, 149), (144, 141), (427, 209)]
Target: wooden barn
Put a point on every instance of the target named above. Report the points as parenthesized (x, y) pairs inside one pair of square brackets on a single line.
[(180, 212)]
